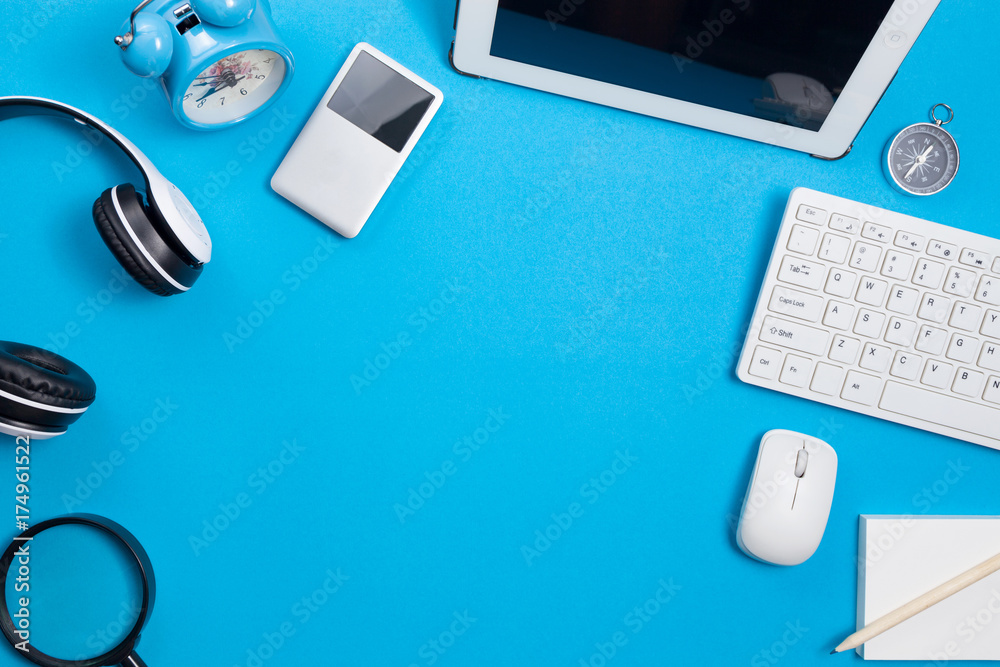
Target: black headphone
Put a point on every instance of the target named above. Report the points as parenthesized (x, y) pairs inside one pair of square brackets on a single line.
[(161, 242)]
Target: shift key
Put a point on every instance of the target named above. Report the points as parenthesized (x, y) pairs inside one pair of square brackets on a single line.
[(806, 274), (793, 335)]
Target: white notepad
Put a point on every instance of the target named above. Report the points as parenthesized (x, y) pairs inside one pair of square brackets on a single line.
[(902, 557)]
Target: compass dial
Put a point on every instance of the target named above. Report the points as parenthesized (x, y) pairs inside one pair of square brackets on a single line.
[(234, 86), (922, 159)]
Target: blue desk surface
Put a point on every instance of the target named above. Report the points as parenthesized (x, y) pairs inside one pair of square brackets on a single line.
[(534, 335)]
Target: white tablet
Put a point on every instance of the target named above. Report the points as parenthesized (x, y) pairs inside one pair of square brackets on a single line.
[(802, 74)]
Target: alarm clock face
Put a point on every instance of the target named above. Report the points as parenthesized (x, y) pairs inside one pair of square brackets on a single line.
[(233, 87), (922, 159)]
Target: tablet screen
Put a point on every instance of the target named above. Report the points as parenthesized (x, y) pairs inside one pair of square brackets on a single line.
[(780, 60)]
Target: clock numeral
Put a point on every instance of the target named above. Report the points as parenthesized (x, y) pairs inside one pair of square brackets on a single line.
[(260, 76), (188, 95), (267, 61), (201, 104), (243, 91), (223, 102)]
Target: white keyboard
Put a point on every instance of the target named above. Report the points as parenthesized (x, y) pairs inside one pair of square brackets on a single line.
[(883, 314)]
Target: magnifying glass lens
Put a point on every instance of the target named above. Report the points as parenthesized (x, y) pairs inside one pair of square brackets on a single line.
[(73, 592)]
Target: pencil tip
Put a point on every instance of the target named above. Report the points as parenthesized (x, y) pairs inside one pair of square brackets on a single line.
[(833, 651)]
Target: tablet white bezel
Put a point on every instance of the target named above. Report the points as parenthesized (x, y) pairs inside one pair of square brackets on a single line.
[(878, 65)]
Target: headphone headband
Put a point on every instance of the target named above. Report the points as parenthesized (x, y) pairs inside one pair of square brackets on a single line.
[(163, 195)]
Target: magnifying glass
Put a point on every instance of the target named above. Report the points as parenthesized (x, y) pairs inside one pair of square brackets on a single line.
[(77, 591)]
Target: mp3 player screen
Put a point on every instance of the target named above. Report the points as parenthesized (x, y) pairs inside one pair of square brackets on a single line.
[(377, 99)]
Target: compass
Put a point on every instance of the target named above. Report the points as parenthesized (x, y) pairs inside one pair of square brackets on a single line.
[(923, 158)]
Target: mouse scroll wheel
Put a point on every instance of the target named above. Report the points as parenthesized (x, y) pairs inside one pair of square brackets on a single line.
[(800, 463)]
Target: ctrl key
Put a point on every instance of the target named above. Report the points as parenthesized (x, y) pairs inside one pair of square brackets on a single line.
[(766, 363)]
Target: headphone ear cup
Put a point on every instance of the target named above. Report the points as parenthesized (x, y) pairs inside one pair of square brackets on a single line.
[(41, 393), (225, 13), (139, 246)]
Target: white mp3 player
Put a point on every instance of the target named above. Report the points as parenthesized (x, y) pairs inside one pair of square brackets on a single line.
[(356, 140)]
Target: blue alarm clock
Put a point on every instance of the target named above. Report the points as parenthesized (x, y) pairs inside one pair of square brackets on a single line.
[(220, 61)]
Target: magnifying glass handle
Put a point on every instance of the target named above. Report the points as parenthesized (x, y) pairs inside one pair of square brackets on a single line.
[(133, 661)]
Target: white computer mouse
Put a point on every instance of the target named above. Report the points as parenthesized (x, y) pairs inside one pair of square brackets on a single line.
[(800, 90), (788, 501)]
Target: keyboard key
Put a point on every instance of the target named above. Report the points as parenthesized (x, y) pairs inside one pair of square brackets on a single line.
[(974, 258), (934, 308), (793, 335), (989, 290), (934, 408), (869, 323), (942, 250), (802, 273), (875, 358), (795, 304), (796, 370), (865, 256), (834, 248), (803, 239), (901, 332), (928, 274), (992, 393), (932, 340), (989, 358), (897, 265), (991, 324), (960, 282), (996, 265), (841, 283), (937, 374), (765, 362), (963, 348), (807, 213), (872, 291), (827, 379), (843, 223), (909, 241), (902, 300), (861, 388), (876, 232), (844, 349), (906, 365), (839, 315), (968, 382), (966, 317)]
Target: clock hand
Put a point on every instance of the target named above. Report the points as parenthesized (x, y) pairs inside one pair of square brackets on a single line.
[(232, 82), (211, 92), (219, 83)]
